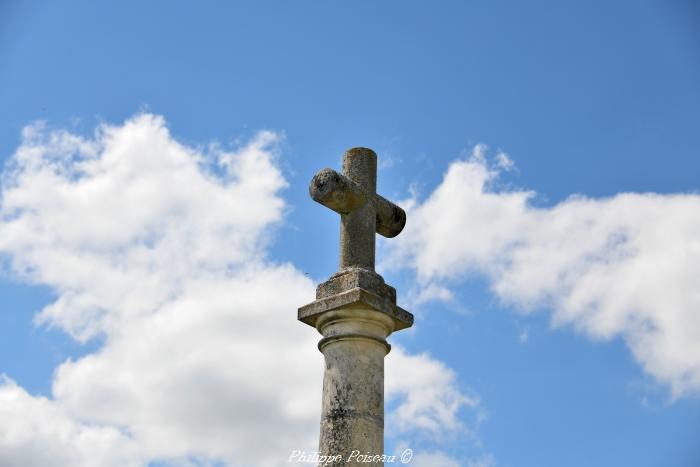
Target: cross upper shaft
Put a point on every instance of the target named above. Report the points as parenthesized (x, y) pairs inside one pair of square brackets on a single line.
[(353, 194)]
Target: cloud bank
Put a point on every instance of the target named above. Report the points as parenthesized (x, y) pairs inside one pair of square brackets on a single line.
[(627, 266), (160, 250)]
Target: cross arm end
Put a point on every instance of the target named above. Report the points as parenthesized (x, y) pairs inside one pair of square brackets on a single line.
[(336, 191)]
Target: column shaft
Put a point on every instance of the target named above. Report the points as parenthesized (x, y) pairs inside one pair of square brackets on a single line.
[(352, 418)]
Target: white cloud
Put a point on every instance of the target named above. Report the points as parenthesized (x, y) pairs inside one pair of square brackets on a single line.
[(429, 398), (625, 266), (35, 431), (160, 249), (504, 162), (431, 292), (119, 222)]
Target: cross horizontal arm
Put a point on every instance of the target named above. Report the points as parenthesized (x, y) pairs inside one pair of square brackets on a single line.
[(391, 219), (342, 195), (336, 191)]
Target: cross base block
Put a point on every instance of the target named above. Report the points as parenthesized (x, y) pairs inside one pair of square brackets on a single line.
[(355, 287)]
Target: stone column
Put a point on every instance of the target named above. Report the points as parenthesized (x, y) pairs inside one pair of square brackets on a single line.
[(354, 346), (355, 311)]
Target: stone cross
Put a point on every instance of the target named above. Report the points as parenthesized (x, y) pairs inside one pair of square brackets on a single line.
[(362, 211), (355, 311)]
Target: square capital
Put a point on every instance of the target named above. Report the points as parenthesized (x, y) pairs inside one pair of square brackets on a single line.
[(355, 288)]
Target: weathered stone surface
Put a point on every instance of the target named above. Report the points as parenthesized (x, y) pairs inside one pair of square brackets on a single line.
[(354, 347), (351, 278), (355, 311), (391, 219), (362, 211), (336, 192), (355, 298), (355, 287)]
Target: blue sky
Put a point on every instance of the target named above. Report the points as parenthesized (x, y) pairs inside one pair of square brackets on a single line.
[(594, 99)]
